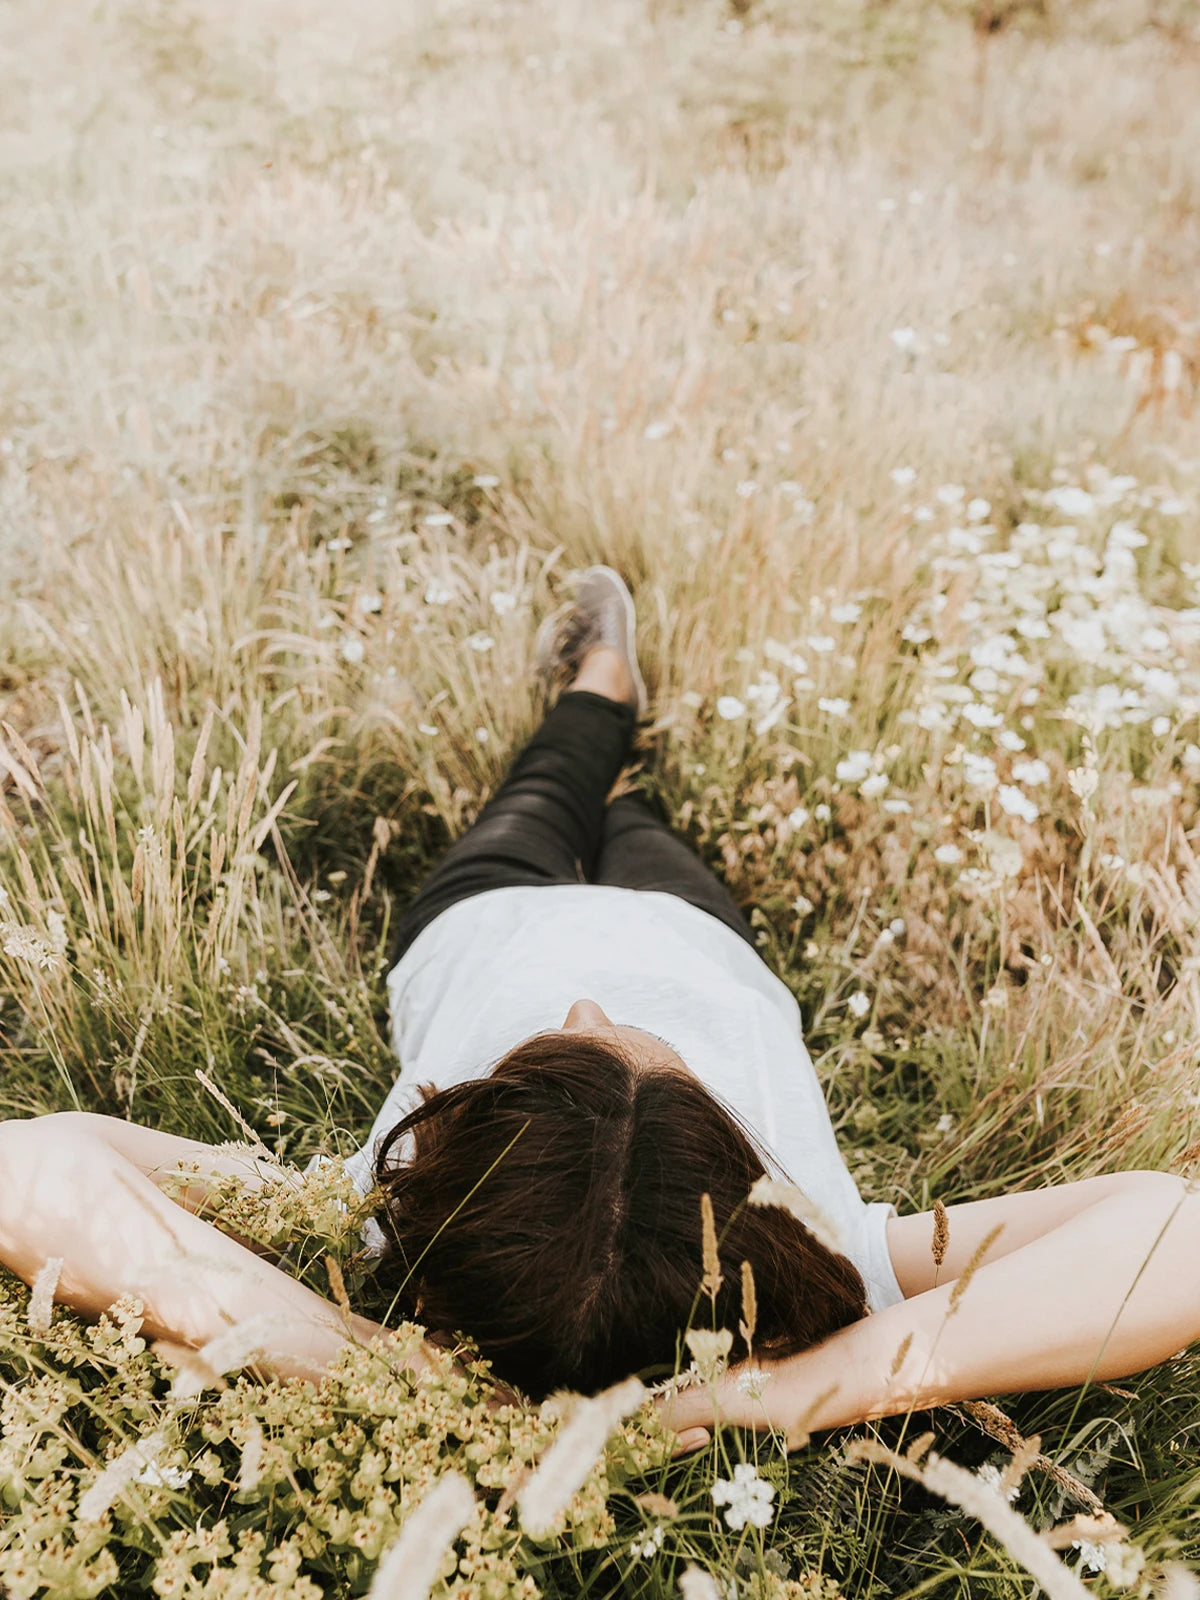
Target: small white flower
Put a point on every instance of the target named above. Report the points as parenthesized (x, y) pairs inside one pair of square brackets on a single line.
[(352, 651), (821, 643), (644, 1549), (747, 1498), (903, 476), (438, 519), (481, 643), (486, 480), (991, 1474), (980, 716), (802, 905), (874, 786), (1016, 802), (482, 735), (1160, 727), (163, 1477), (979, 771), (427, 728), (846, 611), (904, 338), (923, 514), (656, 430), (502, 602), (858, 1004), (1070, 501), (896, 927), (752, 1381), (729, 708), (855, 767), (948, 855), (1010, 740), (797, 818), (1033, 771), (370, 602), (832, 706), (897, 807), (944, 1123), (438, 593), (747, 489), (823, 812), (1092, 1556), (978, 509), (915, 633), (950, 494)]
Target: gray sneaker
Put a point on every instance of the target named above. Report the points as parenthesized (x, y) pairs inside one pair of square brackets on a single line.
[(602, 613)]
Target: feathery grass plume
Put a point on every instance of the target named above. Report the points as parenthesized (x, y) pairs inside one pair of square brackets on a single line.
[(712, 1280), (989, 1419), (573, 1454), (41, 1296), (1104, 1529), (658, 1505), (229, 1350), (1179, 1583), (749, 1322), (409, 1568), (919, 1447), (979, 1500), (337, 1285), (790, 1197), (697, 1585), (250, 1466), (962, 1282), (95, 1501), (941, 1236), (1028, 1452)]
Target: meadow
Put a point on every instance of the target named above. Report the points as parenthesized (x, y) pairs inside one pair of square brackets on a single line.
[(863, 338)]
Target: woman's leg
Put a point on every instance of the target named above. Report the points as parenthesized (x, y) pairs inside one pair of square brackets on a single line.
[(544, 824), (637, 851)]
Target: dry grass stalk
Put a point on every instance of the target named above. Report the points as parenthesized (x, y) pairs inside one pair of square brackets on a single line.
[(712, 1280), (749, 1319), (410, 1567), (790, 1197), (991, 1420), (337, 1285), (963, 1282), (941, 1235), (223, 1099), (1102, 1529)]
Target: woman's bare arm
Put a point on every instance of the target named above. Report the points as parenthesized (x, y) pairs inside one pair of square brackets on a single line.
[(73, 1186), (1110, 1291)]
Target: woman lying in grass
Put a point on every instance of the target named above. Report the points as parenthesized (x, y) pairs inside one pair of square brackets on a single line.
[(542, 1157)]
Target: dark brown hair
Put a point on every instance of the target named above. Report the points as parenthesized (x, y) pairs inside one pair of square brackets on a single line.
[(576, 1260)]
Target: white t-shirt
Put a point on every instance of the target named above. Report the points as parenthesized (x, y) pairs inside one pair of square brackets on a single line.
[(508, 963)]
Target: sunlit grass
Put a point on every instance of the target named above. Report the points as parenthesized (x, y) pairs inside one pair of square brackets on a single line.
[(863, 340)]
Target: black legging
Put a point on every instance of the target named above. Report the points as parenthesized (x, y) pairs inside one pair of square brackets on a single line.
[(549, 823)]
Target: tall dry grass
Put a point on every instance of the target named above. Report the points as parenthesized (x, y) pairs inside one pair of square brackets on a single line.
[(334, 341)]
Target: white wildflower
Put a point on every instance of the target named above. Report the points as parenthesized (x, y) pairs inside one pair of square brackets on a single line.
[(502, 602), (874, 786), (482, 736), (427, 728), (746, 1498), (855, 767), (24, 943), (915, 633), (823, 812), (438, 519), (729, 707), (950, 494), (980, 716), (656, 430), (979, 771), (948, 855), (156, 1477), (643, 1549), (992, 1476), (904, 338), (978, 509), (797, 818), (438, 593), (1009, 740), (486, 480), (1069, 500), (802, 905), (408, 1569), (897, 807), (753, 1381), (747, 489), (352, 650), (566, 1464), (481, 643), (903, 476), (1033, 771), (821, 643), (1016, 802), (944, 1124), (846, 611), (858, 1004), (1092, 1556), (370, 602)]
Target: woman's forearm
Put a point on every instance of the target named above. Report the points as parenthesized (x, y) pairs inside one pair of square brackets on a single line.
[(64, 1192), (1112, 1291)]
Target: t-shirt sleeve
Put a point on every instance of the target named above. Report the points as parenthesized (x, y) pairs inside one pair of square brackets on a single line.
[(875, 1259)]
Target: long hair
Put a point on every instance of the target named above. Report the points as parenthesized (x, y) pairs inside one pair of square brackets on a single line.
[(576, 1260)]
